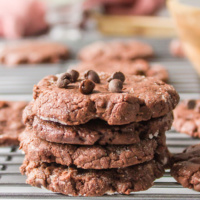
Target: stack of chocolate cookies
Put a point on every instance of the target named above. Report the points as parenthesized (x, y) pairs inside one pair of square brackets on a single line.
[(97, 134)]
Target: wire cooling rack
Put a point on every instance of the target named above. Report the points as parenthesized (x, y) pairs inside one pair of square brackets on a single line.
[(17, 84)]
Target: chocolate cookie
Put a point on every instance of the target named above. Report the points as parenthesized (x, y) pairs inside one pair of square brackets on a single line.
[(186, 167), (136, 67), (96, 131), (116, 49), (141, 99), (187, 117), (11, 122), (78, 182), (33, 52), (87, 157)]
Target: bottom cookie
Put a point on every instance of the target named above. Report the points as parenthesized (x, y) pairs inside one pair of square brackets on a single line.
[(186, 167), (79, 182)]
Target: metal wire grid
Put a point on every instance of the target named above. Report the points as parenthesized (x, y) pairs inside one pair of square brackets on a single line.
[(16, 84), (21, 80)]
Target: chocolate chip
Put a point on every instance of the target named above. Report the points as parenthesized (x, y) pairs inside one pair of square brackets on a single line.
[(92, 75), (191, 104), (64, 80), (3, 104), (140, 72), (117, 75), (74, 74), (115, 85), (86, 86)]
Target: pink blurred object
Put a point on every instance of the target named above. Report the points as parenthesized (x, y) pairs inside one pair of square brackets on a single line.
[(20, 18), (128, 7), (176, 48)]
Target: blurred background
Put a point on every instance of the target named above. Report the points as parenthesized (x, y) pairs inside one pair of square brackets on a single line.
[(77, 23), (78, 20), (68, 18)]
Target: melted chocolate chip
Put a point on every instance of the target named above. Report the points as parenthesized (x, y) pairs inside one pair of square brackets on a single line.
[(115, 85), (74, 74), (64, 80), (191, 104), (117, 75), (86, 86), (92, 75)]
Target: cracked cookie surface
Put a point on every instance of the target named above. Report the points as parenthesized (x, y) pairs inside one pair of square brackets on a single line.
[(96, 131), (90, 157), (141, 99), (76, 182)]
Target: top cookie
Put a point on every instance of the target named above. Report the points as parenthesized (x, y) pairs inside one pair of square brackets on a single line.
[(116, 50), (141, 99), (136, 67), (187, 117), (33, 52)]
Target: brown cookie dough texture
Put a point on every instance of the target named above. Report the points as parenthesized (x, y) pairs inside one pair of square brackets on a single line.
[(11, 122), (116, 50), (89, 157), (96, 131), (186, 167), (78, 182), (33, 52), (136, 67), (187, 120), (141, 99)]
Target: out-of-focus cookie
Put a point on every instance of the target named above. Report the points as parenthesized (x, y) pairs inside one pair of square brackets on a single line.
[(187, 117), (186, 167), (11, 122), (126, 50), (136, 67), (33, 52)]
